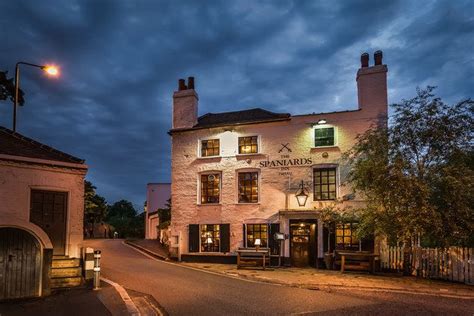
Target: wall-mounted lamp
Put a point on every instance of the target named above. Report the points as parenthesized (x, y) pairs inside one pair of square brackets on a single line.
[(322, 121), (301, 195)]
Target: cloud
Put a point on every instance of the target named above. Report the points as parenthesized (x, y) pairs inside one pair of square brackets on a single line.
[(120, 63)]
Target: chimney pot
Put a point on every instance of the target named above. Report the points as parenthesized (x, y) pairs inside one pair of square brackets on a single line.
[(181, 85), (364, 60), (190, 82), (378, 55)]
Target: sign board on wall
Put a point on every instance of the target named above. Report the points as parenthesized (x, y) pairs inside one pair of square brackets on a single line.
[(285, 162)]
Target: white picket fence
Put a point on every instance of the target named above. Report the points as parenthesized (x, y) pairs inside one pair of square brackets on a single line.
[(452, 264)]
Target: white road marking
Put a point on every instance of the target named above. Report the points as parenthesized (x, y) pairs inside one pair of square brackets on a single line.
[(131, 307)]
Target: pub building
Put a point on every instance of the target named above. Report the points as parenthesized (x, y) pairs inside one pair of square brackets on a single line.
[(238, 178)]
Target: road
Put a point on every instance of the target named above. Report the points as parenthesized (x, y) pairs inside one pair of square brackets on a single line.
[(182, 291)]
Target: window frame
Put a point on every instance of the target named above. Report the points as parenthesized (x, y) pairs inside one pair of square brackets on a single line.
[(200, 187), (248, 136), (353, 245), (326, 126), (258, 186), (200, 147), (267, 231), (336, 182), (202, 244)]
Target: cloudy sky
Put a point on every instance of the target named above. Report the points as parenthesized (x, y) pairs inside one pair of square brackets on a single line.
[(120, 62)]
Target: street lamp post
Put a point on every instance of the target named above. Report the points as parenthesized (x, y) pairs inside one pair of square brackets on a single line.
[(51, 70)]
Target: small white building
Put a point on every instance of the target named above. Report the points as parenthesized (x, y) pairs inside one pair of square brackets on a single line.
[(235, 175), (157, 196), (41, 217)]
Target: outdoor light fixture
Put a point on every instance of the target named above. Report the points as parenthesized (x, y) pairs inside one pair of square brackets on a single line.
[(257, 243), (51, 70), (322, 121), (301, 195)]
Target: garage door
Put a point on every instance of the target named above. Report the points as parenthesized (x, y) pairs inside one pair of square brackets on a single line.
[(20, 264)]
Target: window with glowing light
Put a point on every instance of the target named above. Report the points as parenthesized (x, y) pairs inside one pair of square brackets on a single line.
[(324, 136), (257, 231), (248, 145), (346, 238), (210, 188), (210, 238), (210, 147), (248, 187), (324, 184)]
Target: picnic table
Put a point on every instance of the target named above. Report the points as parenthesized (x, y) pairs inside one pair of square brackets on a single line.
[(253, 257), (359, 260)]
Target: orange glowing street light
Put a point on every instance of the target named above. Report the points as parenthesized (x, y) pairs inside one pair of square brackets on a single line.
[(51, 70)]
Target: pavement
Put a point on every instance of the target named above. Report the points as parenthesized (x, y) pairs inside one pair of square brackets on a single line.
[(84, 301), (183, 289), (320, 279), (71, 302)]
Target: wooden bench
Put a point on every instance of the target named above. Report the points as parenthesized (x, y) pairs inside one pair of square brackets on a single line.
[(356, 260), (250, 257)]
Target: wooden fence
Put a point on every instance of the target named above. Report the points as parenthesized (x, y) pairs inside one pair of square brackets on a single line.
[(452, 264)]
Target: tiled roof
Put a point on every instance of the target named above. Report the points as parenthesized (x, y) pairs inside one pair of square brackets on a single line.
[(239, 117), (15, 144)]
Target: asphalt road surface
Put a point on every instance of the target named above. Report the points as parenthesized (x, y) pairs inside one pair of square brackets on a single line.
[(182, 291)]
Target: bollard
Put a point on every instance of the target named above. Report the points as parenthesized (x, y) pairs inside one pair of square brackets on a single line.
[(88, 258), (97, 270)]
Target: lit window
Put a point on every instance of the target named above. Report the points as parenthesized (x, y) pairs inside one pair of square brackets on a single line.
[(257, 231), (248, 145), (248, 187), (210, 188), (324, 184), (210, 238), (324, 136), (345, 236), (210, 148)]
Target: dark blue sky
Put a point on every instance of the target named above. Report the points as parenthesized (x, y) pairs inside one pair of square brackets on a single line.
[(120, 62)]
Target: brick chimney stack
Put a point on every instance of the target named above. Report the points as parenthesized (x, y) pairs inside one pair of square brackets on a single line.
[(372, 85), (185, 105)]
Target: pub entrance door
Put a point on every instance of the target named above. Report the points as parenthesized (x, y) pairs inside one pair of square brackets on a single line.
[(303, 242)]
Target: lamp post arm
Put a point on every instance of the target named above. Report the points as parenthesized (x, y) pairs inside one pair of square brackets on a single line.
[(28, 64), (17, 87)]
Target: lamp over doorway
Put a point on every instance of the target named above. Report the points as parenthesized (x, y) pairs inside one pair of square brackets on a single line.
[(301, 195)]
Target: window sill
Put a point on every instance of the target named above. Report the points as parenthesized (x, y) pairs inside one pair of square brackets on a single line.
[(325, 147), (209, 157), (328, 200), (247, 203), (209, 204), (247, 155)]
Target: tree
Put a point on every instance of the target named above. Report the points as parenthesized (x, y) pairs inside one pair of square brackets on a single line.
[(126, 220), (95, 206), (164, 214), (7, 89), (417, 173)]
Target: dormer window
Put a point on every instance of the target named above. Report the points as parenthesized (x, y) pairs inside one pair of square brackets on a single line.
[(248, 145), (324, 136), (210, 147)]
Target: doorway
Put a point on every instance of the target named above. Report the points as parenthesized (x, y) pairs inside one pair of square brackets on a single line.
[(20, 264), (48, 211), (303, 242)]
